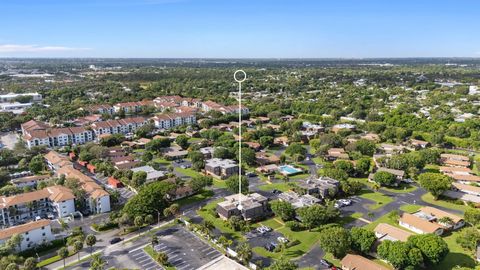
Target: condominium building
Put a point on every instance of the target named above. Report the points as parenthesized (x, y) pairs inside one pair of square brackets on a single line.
[(222, 168), (254, 206), (33, 234), (57, 201), (171, 120), (132, 107), (123, 126), (36, 133)]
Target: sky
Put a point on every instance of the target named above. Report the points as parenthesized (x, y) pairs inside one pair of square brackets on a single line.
[(240, 28)]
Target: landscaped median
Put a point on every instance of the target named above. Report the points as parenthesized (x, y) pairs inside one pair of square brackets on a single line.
[(377, 197)]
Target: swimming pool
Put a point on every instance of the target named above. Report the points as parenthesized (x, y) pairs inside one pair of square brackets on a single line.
[(289, 170)]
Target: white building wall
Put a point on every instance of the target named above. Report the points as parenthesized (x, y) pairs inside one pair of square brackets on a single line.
[(64, 208)]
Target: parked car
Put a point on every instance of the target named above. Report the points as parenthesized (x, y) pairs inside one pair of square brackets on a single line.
[(251, 174), (326, 263), (282, 239), (115, 240), (269, 247), (345, 202), (276, 191)]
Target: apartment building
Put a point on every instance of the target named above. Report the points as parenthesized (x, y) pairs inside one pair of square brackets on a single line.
[(254, 206), (222, 168), (33, 234), (213, 106), (100, 109), (97, 199), (123, 126), (57, 201), (36, 133), (132, 107), (171, 120)]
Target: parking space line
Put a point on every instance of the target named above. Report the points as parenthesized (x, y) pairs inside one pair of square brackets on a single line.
[(211, 252), (183, 267), (142, 261), (146, 265), (177, 261)]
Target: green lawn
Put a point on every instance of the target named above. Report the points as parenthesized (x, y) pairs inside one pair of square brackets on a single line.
[(410, 208), (162, 161), (429, 199), (272, 223), (219, 183), (278, 186), (456, 256), (382, 219), (402, 188), (188, 172), (379, 199), (348, 219), (205, 194), (53, 259)]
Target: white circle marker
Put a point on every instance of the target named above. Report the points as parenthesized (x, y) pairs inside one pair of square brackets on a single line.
[(240, 76)]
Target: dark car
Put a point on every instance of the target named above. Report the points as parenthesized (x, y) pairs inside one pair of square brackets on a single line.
[(115, 240), (269, 247), (276, 191)]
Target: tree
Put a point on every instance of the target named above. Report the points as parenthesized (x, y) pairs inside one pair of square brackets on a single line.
[(296, 148), (472, 216), (335, 240), (469, 238), (182, 141), (63, 253), (435, 183), (161, 258), (232, 184), (198, 183), (138, 221), (149, 219), (315, 215), (91, 240), (335, 173), (244, 252), (149, 200), (283, 264), (384, 178), (12, 266), (351, 186), (266, 141), (139, 178), (77, 247), (362, 239), (156, 145), (283, 209), (97, 263), (432, 246), (345, 166), (154, 240), (248, 156), (365, 147), (36, 164), (363, 166), (394, 216), (30, 264), (395, 252)]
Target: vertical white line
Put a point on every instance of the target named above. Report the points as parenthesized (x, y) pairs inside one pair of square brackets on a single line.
[(240, 143)]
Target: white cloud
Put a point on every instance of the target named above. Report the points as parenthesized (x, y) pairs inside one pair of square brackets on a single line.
[(16, 48)]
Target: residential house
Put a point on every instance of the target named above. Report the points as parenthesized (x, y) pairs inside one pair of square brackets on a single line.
[(122, 126), (297, 200), (357, 262), (336, 153), (152, 174), (33, 234), (384, 231), (455, 160), (435, 215), (419, 144), (29, 181), (420, 225), (339, 127), (324, 186), (265, 158), (253, 206)]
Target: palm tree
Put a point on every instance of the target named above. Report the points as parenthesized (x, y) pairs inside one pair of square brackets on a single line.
[(77, 247), (30, 264), (154, 240), (97, 263), (63, 253), (91, 240), (244, 252), (370, 215)]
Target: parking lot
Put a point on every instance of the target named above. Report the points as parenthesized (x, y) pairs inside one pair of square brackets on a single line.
[(144, 260), (184, 249), (257, 239)]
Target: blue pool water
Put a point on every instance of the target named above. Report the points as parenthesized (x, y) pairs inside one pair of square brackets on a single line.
[(286, 169)]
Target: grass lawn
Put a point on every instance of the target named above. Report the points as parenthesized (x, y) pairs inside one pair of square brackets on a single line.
[(272, 223), (188, 172), (205, 194), (53, 259), (410, 208), (402, 188), (456, 256), (382, 219), (278, 186), (429, 199), (219, 183), (162, 161), (348, 219), (379, 199)]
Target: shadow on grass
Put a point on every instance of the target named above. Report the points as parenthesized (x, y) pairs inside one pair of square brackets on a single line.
[(453, 259)]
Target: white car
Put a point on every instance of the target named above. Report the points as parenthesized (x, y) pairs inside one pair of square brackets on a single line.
[(282, 239)]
